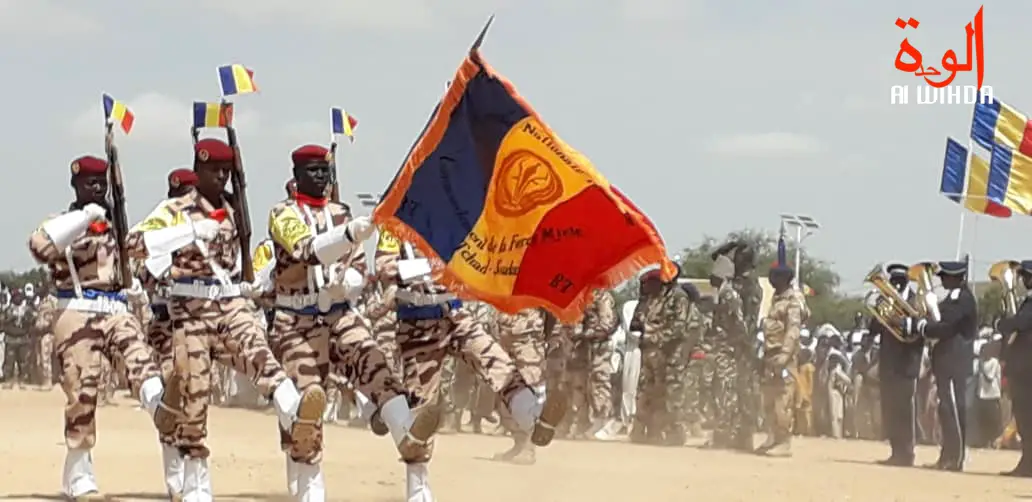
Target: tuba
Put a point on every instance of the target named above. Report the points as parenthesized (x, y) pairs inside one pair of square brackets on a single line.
[(1005, 273), (887, 306), (923, 275)]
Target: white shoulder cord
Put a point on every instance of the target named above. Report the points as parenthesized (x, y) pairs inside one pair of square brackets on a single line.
[(316, 276), (76, 283)]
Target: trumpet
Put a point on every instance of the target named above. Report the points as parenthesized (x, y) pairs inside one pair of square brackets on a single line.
[(922, 274), (1006, 273), (887, 306)]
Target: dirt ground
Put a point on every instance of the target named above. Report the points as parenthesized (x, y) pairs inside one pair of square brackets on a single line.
[(246, 465)]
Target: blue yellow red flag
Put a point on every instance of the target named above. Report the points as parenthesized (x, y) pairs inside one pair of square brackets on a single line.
[(116, 112), (212, 114), (968, 184), (1010, 179), (236, 79), (996, 122), (340, 126), (509, 213)]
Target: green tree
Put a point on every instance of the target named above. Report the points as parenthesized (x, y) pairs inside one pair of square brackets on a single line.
[(14, 279), (826, 304)]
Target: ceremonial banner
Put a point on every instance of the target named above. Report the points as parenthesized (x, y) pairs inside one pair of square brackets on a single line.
[(1010, 179), (969, 184), (506, 211)]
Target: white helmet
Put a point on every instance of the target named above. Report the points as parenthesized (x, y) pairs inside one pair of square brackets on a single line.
[(29, 290)]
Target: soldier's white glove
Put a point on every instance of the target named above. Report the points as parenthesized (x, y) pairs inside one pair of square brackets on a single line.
[(360, 229), (135, 293), (206, 229), (921, 325), (250, 290), (94, 212)]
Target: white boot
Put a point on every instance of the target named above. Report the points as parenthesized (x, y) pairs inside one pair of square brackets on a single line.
[(525, 407), (78, 478), (286, 399), (173, 464), (417, 483), (397, 417), (197, 481), (310, 484), (291, 477), (365, 406), (151, 391)]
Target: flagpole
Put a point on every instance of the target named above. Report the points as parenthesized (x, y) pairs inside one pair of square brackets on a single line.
[(960, 234), (963, 210)]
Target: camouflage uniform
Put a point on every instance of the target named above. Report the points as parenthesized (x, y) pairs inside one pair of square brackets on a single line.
[(727, 338), (432, 326), (748, 366), (212, 320), (781, 330), (663, 317), (44, 324), (19, 321), (91, 322), (522, 337), (459, 387), (590, 386), (692, 416)]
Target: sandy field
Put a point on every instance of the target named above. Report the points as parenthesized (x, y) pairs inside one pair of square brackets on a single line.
[(246, 465)]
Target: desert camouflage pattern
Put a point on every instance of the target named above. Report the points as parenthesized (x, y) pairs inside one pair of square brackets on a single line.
[(664, 317), (588, 372), (311, 346), (83, 340), (225, 330), (190, 262), (521, 335), (425, 343), (45, 317), (459, 387), (697, 397), (781, 331)]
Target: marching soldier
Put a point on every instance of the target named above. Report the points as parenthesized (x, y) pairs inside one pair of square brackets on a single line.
[(522, 337), (952, 355), (19, 323), (781, 330), (1016, 354), (898, 368), (81, 252), (698, 324), (432, 326), (319, 273), (196, 237)]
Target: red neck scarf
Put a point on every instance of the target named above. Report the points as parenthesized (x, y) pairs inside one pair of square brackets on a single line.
[(98, 227), (219, 215), (310, 201)]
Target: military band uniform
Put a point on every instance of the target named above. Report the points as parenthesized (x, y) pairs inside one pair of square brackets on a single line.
[(952, 356), (898, 369), (1015, 355), (194, 241), (92, 321)]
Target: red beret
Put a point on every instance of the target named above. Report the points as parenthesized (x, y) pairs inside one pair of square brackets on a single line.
[(212, 150), (87, 165), (311, 153), (181, 177)]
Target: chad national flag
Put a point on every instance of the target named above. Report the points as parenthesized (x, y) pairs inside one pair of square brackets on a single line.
[(968, 183), (507, 211), (996, 122)]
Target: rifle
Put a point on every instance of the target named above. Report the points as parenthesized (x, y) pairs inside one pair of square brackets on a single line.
[(334, 185), (120, 221), (242, 216)]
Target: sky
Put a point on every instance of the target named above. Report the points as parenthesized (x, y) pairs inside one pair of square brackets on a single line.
[(712, 115)]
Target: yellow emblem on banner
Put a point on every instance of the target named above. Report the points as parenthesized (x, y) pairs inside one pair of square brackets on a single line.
[(388, 243)]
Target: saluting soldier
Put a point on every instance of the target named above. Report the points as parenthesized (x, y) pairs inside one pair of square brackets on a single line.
[(1016, 356), (952, 360), (898, 368)]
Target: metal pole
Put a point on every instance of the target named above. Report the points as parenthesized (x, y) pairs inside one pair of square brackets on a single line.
[(960, 234), (798, 255)]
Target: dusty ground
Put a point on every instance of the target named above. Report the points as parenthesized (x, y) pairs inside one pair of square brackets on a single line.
[(363, 467)]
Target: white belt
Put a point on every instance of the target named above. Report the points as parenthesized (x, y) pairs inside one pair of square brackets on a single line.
[(297, 302), (204, 291), (423, 299), (100, 305)]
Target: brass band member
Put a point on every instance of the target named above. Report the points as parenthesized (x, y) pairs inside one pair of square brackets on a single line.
[(1016, 328), (952, 359), (898, 369)]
